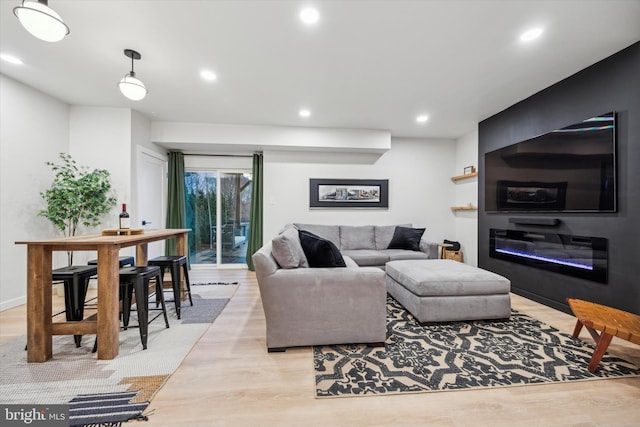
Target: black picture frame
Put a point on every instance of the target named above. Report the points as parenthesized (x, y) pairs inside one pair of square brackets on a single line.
[(349, 193)]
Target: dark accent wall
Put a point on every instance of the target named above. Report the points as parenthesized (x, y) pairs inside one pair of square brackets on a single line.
[(612, 84)]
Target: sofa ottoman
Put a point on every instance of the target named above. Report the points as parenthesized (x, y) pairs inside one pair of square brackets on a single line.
[(447, 290)]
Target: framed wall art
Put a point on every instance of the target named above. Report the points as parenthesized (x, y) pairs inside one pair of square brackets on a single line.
[(349, 193)]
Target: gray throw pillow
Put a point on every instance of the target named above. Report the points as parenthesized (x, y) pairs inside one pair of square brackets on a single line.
[(287, 250)]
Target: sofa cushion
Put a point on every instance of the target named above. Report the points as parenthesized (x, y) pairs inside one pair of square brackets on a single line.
[(349, 262), (320, 252), (443, 277), (287, 250), (356, 237), (406, 238), (367, 257), (384, 233), (398, 254), (329, 232)]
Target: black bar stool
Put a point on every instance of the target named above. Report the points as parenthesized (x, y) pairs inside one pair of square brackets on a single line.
[(76, 282), (137, 279), (174, 263), (123, 261)]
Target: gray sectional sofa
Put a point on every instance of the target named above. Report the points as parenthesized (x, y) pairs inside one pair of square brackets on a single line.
[(306, 306), (367, 244), (344, 301), (320, 306)]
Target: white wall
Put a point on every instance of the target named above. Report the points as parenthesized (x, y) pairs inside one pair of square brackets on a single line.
[(140, 142), (192, 138), (420, 189), (101, 138), (466, 191), (97, 137), (34, 129), (419, 170)]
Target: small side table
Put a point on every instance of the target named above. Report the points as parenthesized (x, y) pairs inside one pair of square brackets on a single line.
[(442, 247)]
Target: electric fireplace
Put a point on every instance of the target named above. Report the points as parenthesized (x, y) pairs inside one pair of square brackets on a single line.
[(578, 256)]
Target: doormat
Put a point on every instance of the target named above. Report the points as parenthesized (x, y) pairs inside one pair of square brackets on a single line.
[(110, 409)]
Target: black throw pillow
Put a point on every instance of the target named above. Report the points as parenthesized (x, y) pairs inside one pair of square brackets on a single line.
[(320, 252), (455, 246), (406, 238)]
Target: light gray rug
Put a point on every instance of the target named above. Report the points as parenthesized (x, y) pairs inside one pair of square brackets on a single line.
[(74, 371)]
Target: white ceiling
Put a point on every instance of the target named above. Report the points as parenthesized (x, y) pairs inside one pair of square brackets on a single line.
[(366, 64)]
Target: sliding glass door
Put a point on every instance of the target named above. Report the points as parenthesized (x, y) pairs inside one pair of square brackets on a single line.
[(218, 205)]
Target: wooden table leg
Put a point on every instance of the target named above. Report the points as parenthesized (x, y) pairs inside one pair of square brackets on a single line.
[(181, 249), (108, 292), (39, 286), (142, 254)]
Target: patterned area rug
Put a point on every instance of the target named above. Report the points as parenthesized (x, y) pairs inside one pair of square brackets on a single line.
[(457, 356), (106, 409)]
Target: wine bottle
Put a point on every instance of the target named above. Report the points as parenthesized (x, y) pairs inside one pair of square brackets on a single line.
[(124, 217)]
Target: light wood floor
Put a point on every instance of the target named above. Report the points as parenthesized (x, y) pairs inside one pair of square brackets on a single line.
[(229, 379)]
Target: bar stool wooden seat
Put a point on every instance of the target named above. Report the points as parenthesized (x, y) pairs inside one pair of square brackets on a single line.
[(174, 263), (137, 279), (76, 282)]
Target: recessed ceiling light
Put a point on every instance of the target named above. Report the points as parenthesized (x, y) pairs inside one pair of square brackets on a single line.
[(309, 16), (304, 113), (531, 34), (208, 75), (11, 59), (422, 118)]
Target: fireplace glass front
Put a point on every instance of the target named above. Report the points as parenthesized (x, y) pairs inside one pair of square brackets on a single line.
[(578, 256)]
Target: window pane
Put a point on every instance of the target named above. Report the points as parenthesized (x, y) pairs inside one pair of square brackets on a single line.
[(235, 207), (201, 216), (235, 202)]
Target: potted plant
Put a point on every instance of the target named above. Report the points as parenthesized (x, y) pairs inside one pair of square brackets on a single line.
[(76, 197)]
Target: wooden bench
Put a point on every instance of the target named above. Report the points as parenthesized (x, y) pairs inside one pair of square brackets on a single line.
[(609, 321)]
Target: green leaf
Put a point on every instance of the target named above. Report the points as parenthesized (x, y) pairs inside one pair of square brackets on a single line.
[(77, 195)]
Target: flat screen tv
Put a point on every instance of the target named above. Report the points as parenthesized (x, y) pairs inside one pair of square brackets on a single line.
[(572, 169)]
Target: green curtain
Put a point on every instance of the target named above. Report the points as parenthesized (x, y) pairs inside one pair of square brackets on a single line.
[(255, 217), (176, 198)]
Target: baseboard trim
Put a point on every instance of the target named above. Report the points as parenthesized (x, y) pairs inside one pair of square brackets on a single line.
[(541, 299), (15, 302)]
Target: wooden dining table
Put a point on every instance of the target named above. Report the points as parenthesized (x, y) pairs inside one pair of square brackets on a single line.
[(41, 328)]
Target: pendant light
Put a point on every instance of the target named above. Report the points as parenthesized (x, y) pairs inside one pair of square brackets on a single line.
[(41, 21), (130, 86)]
